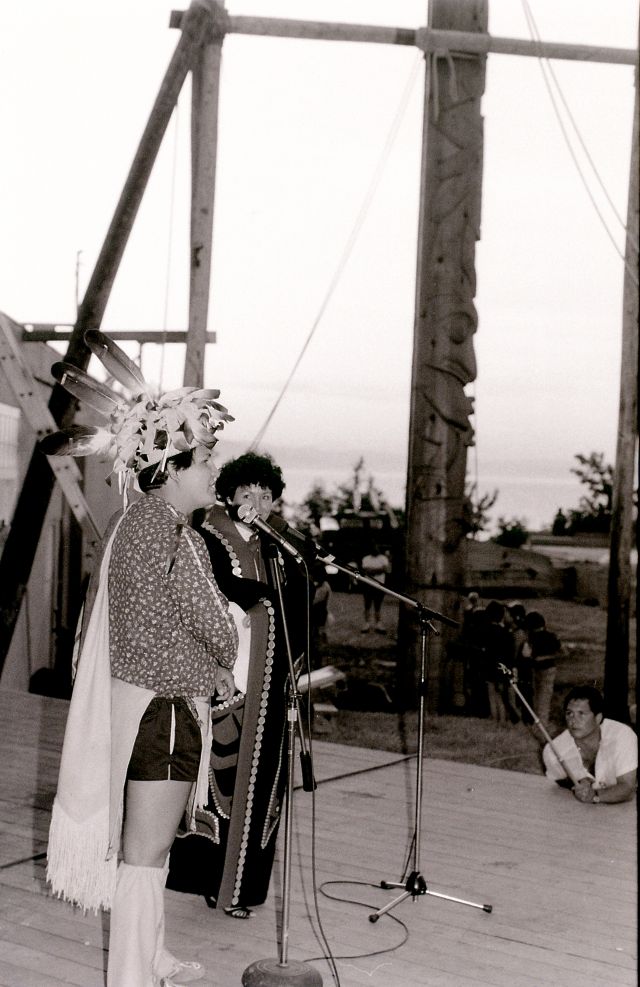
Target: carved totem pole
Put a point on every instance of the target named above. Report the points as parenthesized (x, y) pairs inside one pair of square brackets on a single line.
[(445, 321)]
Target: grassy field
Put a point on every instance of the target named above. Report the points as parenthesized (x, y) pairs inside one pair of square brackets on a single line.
[(367, 715)]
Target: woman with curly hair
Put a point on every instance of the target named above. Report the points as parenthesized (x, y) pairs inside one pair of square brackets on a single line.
[(230, 857)]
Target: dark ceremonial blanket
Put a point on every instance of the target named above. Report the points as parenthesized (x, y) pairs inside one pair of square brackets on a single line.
[(230, 856)]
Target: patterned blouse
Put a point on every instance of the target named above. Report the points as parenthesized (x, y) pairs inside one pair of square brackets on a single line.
[(169, 624)]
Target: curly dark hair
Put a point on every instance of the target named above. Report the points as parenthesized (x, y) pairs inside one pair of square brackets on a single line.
[(247, 469)]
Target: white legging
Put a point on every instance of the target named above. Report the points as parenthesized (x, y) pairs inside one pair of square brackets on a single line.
[(137, 954)]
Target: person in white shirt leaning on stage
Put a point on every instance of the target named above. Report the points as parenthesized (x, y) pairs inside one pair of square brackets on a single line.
[(602, 754)]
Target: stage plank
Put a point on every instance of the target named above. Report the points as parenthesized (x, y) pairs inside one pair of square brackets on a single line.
[(561, 877)]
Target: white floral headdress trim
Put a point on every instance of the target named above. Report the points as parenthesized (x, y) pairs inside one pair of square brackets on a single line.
[(140, 428)]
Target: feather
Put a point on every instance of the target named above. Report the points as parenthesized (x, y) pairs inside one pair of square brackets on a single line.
[(98, 396), (193, 393), (116, 362), (77, 440)]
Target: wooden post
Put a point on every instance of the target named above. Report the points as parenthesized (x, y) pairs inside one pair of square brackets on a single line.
[(445, 321), (204, 139), (616, 671), (28, 518)]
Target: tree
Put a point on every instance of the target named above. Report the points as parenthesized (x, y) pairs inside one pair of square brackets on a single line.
[(475, 510), (595, 508), (512, 534), (317, 504), (360, 493), (597, 477), (560, 523)]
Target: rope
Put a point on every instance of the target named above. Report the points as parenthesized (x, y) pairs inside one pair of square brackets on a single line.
[(351, 241), (546, 67)]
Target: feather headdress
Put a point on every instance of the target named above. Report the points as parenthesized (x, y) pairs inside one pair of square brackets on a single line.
[(139, 428)]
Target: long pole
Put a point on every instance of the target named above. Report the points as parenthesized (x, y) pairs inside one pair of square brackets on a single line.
[(280, 972), (204, 141), (616, 669)]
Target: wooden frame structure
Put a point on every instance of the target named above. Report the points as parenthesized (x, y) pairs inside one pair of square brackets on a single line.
[(455, 41)]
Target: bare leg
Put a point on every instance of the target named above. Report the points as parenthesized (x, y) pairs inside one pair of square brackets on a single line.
[(153, 813)]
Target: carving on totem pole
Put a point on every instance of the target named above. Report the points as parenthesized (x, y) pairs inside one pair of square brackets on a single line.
[(447, 319)]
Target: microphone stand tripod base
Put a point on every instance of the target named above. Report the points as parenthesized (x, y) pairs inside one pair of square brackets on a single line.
[(273, 973)]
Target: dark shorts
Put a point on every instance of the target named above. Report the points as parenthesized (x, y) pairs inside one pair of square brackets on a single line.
[(168, 744)]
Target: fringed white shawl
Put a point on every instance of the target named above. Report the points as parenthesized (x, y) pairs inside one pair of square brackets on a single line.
[(79, 867), (102, 724)]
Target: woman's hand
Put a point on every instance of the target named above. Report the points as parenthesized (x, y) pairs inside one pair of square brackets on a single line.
[(225, 685)]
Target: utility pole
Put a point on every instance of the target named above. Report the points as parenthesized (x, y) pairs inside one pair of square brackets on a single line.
[(445, 321), (616, 669)]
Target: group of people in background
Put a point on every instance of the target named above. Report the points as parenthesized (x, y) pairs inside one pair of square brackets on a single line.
[(498, 635), (595, 757)]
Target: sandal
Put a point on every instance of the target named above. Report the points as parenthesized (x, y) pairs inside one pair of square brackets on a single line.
[(238, 911), (184, 973)]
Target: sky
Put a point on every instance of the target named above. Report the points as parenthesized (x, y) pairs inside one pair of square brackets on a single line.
[(302, 131)]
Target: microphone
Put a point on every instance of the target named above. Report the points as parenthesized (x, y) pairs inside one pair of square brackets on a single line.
[(249, 515)]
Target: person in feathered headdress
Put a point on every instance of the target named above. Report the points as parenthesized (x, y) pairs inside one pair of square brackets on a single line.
[(159, 641)]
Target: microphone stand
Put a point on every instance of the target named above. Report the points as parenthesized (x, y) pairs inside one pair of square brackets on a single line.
[(415, 885), (271, 972)]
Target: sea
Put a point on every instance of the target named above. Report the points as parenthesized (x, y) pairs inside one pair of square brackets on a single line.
[(533, 500)]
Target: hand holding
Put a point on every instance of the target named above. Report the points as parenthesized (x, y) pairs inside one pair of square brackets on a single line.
[(225, 685), (583, 790)]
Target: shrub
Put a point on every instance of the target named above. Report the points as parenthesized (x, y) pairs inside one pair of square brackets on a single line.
[(512, 533)]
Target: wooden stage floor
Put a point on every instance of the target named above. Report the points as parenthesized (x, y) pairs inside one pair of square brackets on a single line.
[(561, 878)]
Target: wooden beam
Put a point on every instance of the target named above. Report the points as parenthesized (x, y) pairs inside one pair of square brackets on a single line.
[(35, 410), (485, 44), (15, 569), (424, 38), (204, 141), (22, 541), (99, 288), (47, 333)]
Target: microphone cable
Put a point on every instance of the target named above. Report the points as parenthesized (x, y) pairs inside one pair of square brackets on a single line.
[(369, 907), (320, 934), (327, 953)]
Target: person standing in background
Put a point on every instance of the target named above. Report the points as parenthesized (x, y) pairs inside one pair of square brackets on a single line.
[(539, 654), (376, 565)]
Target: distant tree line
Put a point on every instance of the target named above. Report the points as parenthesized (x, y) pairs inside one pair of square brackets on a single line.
[(593, 515)]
